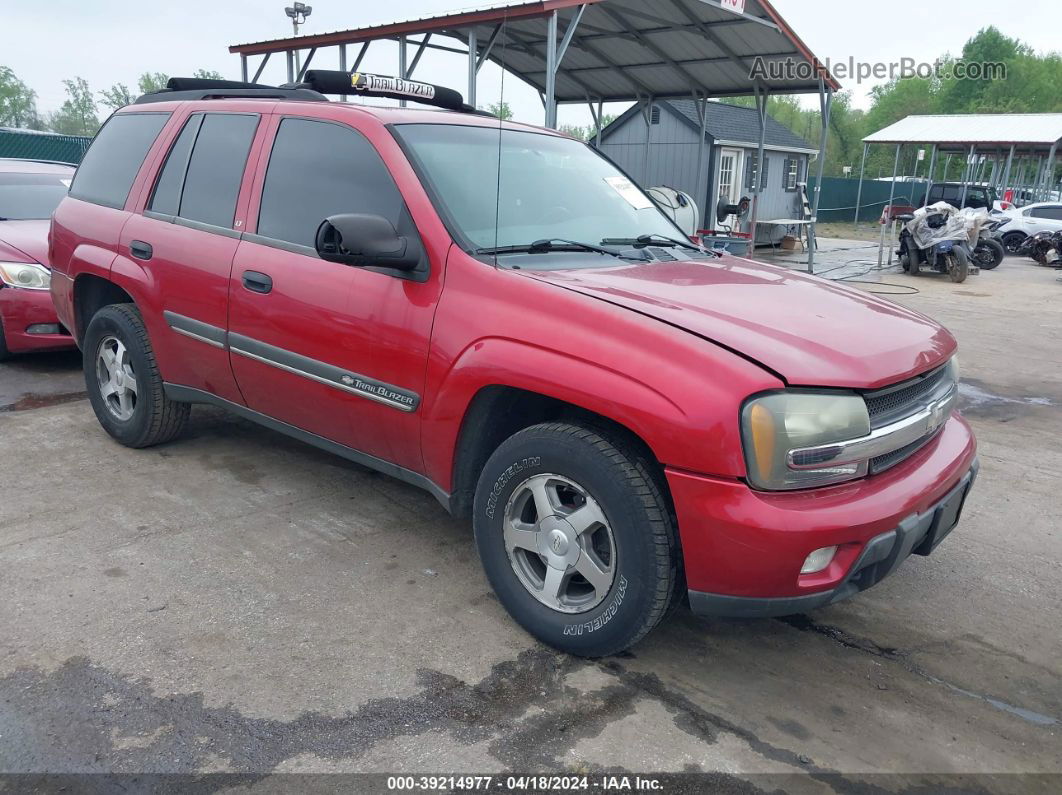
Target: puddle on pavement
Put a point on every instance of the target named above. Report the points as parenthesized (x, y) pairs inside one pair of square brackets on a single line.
[(976, 399), (31, 401)]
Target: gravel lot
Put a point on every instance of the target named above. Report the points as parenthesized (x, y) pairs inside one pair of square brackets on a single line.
[(236, 602)]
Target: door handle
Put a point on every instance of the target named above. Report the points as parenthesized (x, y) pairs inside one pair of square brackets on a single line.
[(140, 249), (257, 282)]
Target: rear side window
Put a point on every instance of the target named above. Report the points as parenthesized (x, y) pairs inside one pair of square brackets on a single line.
[(201, 178), (318, 169), (1053, 213), (111, 164)]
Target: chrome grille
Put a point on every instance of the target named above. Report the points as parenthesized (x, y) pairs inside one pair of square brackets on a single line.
[(904, 399), (900, 401)]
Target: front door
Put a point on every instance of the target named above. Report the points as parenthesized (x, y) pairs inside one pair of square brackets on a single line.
[(334, 350), (729, 188)]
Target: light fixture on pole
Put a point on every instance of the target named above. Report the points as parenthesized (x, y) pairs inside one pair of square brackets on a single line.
[(298, 12)]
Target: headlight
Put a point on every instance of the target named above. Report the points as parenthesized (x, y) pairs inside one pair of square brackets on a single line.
[(29, 275), (776, 424)]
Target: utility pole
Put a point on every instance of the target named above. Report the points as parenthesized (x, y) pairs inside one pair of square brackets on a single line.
[(298, 12)]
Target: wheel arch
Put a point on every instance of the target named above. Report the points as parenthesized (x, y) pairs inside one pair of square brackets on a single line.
[(91, 294), (498, 411)]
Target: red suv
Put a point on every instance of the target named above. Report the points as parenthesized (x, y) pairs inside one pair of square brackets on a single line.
[(495, 313)]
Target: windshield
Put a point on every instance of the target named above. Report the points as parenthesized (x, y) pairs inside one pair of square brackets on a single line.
[(549, 188), (25, 197)]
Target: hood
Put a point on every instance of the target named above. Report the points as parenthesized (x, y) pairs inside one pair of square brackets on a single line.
[(26, 238), (810, 331)]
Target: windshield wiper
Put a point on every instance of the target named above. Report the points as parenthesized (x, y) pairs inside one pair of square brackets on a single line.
[(651, 240), (548, 245)]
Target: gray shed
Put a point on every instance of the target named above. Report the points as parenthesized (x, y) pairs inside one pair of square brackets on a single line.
[(732, 140)]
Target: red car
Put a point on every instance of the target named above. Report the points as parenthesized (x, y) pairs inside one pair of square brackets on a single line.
[(497, 314), (29, 191)]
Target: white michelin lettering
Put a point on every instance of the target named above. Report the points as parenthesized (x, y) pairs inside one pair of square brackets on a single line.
[(605, 617)]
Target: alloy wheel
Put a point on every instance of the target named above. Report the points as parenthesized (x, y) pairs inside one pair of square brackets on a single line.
[(560, 543), (117, 381)]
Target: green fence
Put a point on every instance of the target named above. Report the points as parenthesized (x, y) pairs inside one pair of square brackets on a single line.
[(34, 145), (838, 199)]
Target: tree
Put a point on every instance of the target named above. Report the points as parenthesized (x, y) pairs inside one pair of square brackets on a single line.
[(149, 82), (18, 104), (117, 96), (207, 74), (501, 110), (77, 115)]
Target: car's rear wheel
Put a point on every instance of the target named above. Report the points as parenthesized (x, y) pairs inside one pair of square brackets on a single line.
[(123, 381), (1012, 241), (577, 538)]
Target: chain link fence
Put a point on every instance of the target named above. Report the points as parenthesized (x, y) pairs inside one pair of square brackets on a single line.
[(33, 145)]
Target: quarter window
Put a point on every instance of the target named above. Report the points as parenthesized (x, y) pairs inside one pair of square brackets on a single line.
[(318, 169), (111, 164)]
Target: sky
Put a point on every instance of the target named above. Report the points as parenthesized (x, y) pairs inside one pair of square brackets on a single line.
[(109, 41)]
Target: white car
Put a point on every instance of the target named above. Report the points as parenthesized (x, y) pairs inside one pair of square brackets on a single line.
[(1019, 224)]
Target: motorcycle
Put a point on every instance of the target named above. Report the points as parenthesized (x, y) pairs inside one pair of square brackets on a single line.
[(1044, 247), (935, 237)]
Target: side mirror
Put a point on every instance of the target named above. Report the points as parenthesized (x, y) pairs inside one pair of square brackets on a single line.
[(366, 241)]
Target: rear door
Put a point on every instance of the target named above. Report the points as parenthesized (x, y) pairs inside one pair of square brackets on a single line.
[(334, 350), (186, 238)]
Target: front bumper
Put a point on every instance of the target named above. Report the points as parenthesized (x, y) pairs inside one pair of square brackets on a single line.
[(743, 549), (23, 310)]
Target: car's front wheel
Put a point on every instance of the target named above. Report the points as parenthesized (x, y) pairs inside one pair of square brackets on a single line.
[(577, 538), (123, 381)]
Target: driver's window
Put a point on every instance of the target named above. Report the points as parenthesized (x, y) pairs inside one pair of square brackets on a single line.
[(318, 169)]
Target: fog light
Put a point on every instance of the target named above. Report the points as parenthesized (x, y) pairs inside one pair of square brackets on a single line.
[(43, 328), (818, 560)]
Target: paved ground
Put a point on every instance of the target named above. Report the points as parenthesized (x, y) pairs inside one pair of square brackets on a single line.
[(239, 602)]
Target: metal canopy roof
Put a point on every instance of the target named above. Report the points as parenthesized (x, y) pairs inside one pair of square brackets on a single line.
[(619, 50), (974, 129)]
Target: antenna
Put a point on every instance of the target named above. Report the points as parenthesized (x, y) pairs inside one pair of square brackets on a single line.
[(501, 128)]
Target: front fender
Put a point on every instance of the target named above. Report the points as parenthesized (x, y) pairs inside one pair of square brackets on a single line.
[(688, 421)]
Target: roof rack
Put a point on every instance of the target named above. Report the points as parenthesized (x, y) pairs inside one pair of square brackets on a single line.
[(317, 83)]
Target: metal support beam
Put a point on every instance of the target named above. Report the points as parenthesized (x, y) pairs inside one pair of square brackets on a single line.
[(1006, 172), (289, 56), (932, 172), (859, 189), (306, 64), (473, 67), (699, 193), (243, 67), (555, 55), (971, 165), (403, 66), (261, 68), (551, 70), (1049, 172), (825, 105), (569, 33), (757, 187), (343, 68), (361, 57), (648, 114), (892, 195), (483, 56), (420, 54)]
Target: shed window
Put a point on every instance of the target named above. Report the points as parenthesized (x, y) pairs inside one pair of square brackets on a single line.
[(792, 173), (655, 116)]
